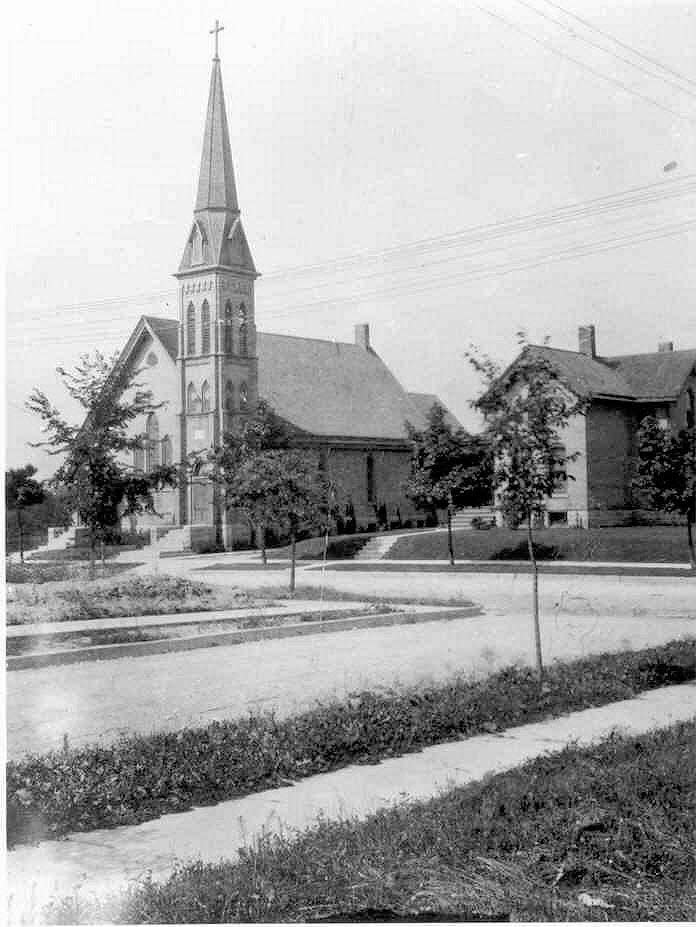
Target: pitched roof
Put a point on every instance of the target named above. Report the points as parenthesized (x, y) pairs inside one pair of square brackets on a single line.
[(167, 330), (333, 388), (632, 377), (423, 403)]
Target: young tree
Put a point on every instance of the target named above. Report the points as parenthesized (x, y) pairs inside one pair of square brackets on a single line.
[(21, 492), (99, 485), (284, 489), (666, 472), (525, 408), (450, 468)]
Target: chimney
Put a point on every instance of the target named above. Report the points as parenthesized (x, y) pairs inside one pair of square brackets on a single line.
[(665, 347), (362, 336), (587, 341)]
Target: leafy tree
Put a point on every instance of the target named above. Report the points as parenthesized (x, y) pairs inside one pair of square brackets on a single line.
[(666, 472), (21, 492), (451, 468), (525, 408), (284, 489), (99, 486)]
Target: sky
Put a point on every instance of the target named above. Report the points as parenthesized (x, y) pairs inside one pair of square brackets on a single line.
[(449, 172)]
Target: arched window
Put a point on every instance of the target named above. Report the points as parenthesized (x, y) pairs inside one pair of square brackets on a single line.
[(166, 451), (243, 397), (229, 396), (151, 442), (193, 400), (243, 338), (205, 397), (196, 246), (370, 477), (139, 459), (191, 329), (228, 327), (205, 328)]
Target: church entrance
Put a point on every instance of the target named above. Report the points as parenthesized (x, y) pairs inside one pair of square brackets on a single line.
[(201, 504)]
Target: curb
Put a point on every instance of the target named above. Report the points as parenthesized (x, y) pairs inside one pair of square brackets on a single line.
[(230, 638), (487, 566)]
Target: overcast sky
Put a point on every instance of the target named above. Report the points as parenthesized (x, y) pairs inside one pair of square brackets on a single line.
[(357, 128)]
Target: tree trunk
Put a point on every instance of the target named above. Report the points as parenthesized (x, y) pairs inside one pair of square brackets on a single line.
[(690, 536), (535, 599), (102, 552), (92, 554), (450, 542), (292, 561), (262, 538), (20, 526)]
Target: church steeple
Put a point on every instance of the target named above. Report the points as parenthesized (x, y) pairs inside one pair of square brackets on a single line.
[(216, 238), (216, 186)]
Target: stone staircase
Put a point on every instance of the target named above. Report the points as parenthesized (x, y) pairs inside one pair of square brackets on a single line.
[(173, 540), (376, 548), (464, 517)]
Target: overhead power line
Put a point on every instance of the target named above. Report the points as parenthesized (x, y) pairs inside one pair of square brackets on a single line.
[(603, 48), (612, 80), (621, 44)]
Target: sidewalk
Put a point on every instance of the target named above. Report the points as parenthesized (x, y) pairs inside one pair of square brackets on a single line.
[(107, 860)]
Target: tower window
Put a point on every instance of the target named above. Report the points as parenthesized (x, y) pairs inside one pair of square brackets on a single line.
[(229, 396), (228, 327), (243, 338), (205, 397), (139, 459), (193, 400), (205, 328), (191, 329), (166, 451), (243, 397)]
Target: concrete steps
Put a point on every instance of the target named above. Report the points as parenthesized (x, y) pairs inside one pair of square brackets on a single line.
[(464, 517), (376, 548)]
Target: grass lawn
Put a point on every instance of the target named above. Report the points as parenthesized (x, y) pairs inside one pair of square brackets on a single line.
[(23, 573), (605, 833), (63, 555), (143, 777), (637, 545), (121, 597)]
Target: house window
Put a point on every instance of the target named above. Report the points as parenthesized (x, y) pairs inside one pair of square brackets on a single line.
[(205, 328), (243, 337), (151, 443), (228, 327), (370, 477), (205, 397), (191, 329), (243, 397), (167, 451), (193, 400), (558, 468), (229, 396)]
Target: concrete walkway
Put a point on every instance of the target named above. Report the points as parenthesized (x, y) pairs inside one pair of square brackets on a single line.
[(101, 861)]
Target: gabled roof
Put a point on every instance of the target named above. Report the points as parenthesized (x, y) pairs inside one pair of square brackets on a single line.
[(423, 403), (325, 388), (632, 377)]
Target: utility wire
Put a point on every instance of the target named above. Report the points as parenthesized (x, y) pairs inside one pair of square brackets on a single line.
[(608, 51), (629, 198), (624, 45), (612, 80)]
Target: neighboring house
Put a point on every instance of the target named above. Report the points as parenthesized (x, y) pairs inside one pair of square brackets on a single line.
[(211, 365), (596, 489)]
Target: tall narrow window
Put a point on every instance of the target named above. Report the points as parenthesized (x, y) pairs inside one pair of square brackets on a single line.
[(166, 451), (152, 446), (228, 327), (205, 397), (196, 246), (193, 400), (205, 328), (191, 329), (139, 459), (229, 396), (560, 477), (370, 477), (243, 397), (243, 337)]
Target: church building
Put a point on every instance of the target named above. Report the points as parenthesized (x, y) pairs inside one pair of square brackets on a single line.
[(211, 365)]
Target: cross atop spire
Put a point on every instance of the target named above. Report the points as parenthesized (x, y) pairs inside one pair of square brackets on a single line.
[(217, 28)]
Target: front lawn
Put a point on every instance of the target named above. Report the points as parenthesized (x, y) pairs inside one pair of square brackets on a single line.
[(119, 598), (143, 777), (602, 833), (23, 573), (629, 545)]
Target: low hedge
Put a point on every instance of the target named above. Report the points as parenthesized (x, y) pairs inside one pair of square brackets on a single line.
[(143, 777)]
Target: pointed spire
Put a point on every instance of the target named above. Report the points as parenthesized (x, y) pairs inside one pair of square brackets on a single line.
[(216, 186)]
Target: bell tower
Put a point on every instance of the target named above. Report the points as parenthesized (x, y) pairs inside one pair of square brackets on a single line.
[(217, 332)]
